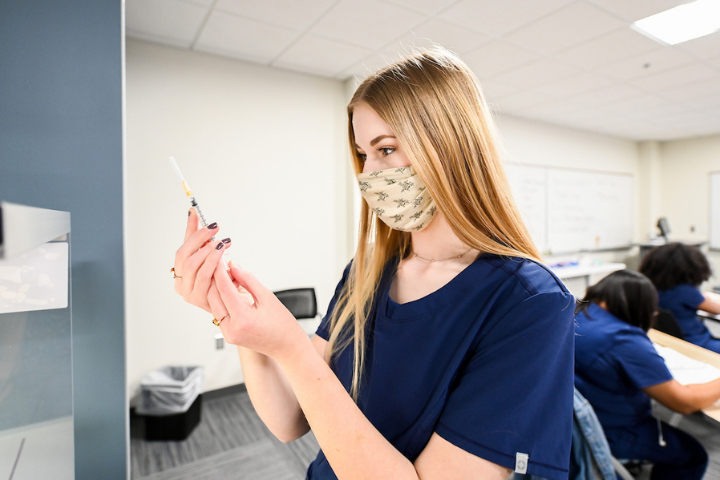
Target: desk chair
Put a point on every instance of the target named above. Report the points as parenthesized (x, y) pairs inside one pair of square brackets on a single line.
[(666, 323), (300, 301)]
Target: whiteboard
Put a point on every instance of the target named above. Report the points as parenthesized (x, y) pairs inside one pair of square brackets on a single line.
[(570, 210), (529, 187), (715, 211)]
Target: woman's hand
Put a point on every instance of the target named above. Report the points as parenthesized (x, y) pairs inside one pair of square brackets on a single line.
[(256, 318), (195, 263)]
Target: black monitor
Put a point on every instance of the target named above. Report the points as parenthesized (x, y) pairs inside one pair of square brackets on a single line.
[(664, 227)]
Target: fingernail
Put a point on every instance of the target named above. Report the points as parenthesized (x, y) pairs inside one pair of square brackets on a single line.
[(226, 240), (220, 246), (189, 212), (212, 226)]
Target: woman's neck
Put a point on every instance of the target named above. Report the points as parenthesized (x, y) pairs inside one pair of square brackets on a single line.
[(437, 241)]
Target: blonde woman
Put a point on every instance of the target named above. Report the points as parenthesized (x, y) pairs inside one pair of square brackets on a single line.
[(447, 350)]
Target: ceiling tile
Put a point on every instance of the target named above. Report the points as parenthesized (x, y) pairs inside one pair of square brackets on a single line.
[(499, 17), (521, 100), (366, 23), (606, 95), (368, 64), (609, 48), (704, 89), (714, 61), (227, 34), (429, 7), (646, 65), (174, 22), (319, 56), (565, 28), (632, 10), (635, 106), (557, 109), (568, 87), (457, 39), (703, 47), (496, 57), (286, 13), (691, 73), (492, 90), (536, 73)]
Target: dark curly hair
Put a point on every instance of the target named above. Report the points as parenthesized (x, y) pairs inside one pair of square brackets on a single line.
[(675, 264), (628, 295)]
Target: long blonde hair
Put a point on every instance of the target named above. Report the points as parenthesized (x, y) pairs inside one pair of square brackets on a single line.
[(432, 102)]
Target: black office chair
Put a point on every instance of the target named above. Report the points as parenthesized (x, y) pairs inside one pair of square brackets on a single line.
[(666, 322), (300, 301)]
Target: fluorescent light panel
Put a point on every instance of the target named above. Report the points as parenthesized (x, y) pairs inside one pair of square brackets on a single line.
[(682, 23)]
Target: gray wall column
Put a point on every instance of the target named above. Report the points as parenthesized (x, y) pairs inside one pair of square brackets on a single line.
[(61, 68)]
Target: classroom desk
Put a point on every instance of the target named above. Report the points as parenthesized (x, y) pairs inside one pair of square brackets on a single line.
[(709, 316), (577, 278), (694, 352)]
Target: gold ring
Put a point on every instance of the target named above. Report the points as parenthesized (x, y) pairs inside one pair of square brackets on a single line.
[(174, 274), (216, 322)]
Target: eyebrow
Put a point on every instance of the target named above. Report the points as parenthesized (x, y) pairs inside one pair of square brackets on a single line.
[(375, 140)]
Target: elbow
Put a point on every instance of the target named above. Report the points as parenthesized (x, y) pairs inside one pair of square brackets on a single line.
[(686, 409), (290, 435), (684, 406), (285, 438)]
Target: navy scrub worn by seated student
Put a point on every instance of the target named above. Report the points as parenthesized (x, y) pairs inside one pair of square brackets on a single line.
[(677, 270), (618, 370)]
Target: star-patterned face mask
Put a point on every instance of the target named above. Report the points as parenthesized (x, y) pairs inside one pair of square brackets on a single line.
[(398, 197)]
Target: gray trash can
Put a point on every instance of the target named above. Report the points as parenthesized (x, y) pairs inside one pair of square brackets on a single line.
[(171, 402)]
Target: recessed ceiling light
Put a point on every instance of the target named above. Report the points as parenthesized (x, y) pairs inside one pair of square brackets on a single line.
[(682, 23)]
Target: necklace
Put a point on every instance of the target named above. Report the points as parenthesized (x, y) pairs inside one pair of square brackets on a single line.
[(440, 259)]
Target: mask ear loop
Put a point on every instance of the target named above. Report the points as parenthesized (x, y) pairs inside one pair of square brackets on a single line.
[(661, 439)]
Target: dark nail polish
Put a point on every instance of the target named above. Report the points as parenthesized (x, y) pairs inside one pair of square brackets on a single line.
[(220, 246), (226, 240), (189, 212), (212, 226)]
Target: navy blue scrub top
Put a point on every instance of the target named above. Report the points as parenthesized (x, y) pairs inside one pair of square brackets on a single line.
[(486, 361), (683, 302), (613, 362)]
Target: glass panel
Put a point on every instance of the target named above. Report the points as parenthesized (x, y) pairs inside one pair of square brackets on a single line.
[(36, 410)]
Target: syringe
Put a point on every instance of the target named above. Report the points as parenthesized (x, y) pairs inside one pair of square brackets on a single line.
[(189, 193)]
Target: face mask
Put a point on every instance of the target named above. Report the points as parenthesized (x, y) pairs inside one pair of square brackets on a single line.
[(398, 197)]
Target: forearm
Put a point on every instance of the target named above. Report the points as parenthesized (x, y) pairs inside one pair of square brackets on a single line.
[(711, 304), (702, 395), (272, 396), (353, 446)]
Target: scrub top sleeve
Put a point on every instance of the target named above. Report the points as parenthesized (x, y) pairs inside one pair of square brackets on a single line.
[(514, 396), (639, 360), (323, 331), (691, 296)]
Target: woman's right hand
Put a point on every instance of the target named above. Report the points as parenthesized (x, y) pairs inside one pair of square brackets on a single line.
[(196, 261)]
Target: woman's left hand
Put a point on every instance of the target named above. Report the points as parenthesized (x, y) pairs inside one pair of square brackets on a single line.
[(256, 318)]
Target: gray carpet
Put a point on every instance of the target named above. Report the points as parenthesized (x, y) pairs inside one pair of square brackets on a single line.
[(231, 442)]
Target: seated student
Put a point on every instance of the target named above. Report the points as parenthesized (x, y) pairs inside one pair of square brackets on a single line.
[(677, 270), (618, 370)]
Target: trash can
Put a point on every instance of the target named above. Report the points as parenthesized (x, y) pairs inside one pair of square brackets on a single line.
[(171, 402)]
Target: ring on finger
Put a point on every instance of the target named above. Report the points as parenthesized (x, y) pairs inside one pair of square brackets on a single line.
[(175, 275), (216, 322)]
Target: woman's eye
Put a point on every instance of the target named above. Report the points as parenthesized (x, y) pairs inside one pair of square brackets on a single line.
[(386, 150), (362, 156)]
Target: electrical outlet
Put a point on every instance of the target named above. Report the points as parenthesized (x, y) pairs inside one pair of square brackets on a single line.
[(219, 341)]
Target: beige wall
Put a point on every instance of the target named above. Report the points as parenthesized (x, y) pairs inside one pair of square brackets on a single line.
[(684, 186), (263, 151)]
